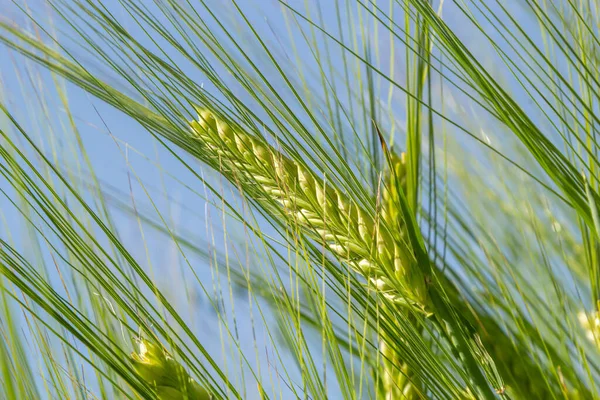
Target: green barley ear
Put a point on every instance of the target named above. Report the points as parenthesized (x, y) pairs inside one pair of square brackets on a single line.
[(398, 381), (170, 380), (368, 245)]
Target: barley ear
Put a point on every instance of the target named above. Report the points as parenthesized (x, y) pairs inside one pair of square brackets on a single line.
[(398, 381), (367, 244), (163, 373)]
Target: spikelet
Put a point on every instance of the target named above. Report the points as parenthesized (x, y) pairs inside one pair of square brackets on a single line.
[(396, 377), (325, 213), (170, 380)]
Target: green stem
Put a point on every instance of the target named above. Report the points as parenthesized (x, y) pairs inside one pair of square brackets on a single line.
[(452, 329)]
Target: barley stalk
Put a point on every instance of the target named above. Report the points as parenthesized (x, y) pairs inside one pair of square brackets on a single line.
[(170, 380), (523, 376)]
